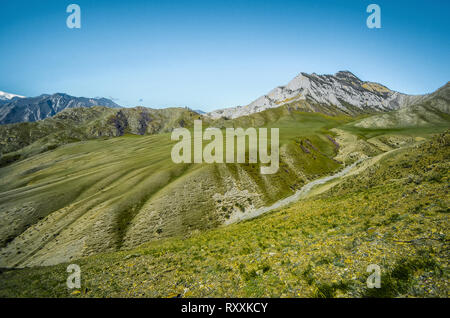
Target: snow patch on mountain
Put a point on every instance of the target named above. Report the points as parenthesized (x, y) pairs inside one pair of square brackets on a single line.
[(8, 96)]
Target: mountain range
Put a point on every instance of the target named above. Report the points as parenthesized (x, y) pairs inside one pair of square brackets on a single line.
[(15, 109), (48, 121), (342, 93), (97, 179)]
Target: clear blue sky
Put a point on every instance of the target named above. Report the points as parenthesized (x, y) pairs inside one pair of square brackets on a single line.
[(214, 54)]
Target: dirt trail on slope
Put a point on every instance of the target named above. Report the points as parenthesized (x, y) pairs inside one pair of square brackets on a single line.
[(356, 170), (302, 193), (315, 187)]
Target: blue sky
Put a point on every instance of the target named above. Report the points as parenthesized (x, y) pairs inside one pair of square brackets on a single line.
[(215, 54)]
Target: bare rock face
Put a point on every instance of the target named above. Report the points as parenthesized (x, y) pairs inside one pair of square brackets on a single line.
[(342, 90)]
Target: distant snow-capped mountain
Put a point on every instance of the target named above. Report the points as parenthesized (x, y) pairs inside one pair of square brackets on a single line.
[(8, 96), (343, 90), (28, 109)]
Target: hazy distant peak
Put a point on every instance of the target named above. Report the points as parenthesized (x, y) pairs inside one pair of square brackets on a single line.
[(28, 109)]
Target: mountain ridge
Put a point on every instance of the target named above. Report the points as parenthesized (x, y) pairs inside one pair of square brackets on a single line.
[(434, 109), (30, 109), (343, 92), (84, 123)]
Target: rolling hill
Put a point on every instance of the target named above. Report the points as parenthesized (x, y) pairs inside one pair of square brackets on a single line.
[(77, 124), (120, 192), (432, 110), (392, 213)]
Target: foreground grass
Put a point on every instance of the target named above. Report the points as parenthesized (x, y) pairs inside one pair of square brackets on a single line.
[(394, 214)]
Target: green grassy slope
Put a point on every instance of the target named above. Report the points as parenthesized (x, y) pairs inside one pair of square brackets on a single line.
[(394, 214), (109, 194), (432, 111), (77, 124)]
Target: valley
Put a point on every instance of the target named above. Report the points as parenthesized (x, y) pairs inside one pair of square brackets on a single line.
[(124, 191), (393, 213)]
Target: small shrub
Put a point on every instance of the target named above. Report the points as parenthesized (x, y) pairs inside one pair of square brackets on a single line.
[(8, 159)]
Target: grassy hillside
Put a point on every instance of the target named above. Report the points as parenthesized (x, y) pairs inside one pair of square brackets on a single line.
[(431, 111), (110, 194), (23, 140), (393, 213)]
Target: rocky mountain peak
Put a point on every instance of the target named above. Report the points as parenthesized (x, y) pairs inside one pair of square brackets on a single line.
[(343, 92), (347, 75)]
